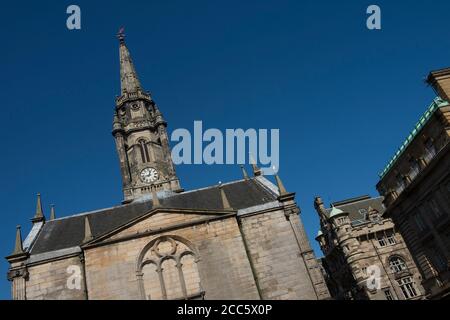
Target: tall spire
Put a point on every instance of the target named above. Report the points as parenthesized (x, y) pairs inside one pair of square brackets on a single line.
[(39, 215), (129, 81)]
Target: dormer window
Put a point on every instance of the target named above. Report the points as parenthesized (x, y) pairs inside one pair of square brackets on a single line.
[(363, 213)]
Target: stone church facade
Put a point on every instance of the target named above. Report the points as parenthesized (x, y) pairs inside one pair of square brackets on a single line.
[(238, 240)]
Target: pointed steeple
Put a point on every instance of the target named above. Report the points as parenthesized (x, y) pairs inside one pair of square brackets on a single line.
[(129, 81), (18, 247), (225, 202), (244, 172), (52, 212), (87, 230), (39, 215)]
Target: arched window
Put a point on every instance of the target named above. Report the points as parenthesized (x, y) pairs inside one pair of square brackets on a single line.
[(397, 264), (143, 150), (167, 269)]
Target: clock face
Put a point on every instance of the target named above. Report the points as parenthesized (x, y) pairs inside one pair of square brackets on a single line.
[(149, 175)]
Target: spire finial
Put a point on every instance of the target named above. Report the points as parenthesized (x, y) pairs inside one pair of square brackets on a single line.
[(155, 198), (244, 172), (121, 35), (256, 170), (225, 202), (52, 212), (281, 188), (87, 230), (18, 247), (39, 215)]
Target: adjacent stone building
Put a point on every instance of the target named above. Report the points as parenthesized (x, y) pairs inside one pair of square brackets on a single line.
[(238, 240), (416, 189), (364, 256)]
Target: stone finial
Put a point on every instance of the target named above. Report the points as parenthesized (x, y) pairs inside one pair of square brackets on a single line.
[(244, 172), (281, 188), (18, 247), (87, 230), (225, 202), (256, 171), (52, 212), (39, 215), (155, 199)]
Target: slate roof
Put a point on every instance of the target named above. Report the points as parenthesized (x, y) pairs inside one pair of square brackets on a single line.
[(68, 232), (354, 205)]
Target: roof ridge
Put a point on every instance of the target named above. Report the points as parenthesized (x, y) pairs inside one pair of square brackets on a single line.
[(342, 205), (81, 214), (210, 187)]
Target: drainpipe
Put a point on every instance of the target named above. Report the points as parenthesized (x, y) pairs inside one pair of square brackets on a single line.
[(82, 260), (247, 251)]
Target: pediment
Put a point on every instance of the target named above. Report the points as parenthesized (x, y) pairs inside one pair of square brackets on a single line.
[(160, 220)]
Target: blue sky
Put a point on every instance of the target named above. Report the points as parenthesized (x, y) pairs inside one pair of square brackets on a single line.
[(343, 97)]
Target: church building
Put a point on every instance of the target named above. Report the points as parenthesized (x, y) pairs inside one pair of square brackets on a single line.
[(237, 240)]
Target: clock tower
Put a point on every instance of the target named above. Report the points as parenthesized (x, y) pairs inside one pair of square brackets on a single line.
[(141, 138)]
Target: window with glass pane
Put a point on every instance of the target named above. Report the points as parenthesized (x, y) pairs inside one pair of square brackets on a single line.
[(382, 241), (407, 287), (397, 264), (390, 238), (388, 294)]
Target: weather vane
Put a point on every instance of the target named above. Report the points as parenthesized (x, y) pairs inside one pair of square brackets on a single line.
[(121, 34)]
